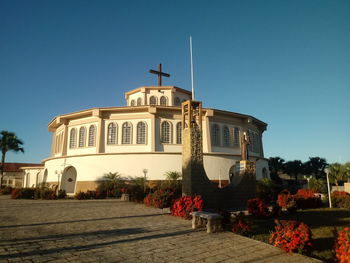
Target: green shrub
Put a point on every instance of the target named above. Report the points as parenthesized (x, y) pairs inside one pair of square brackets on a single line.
[(160, 198), (24, 193), (61, 194), (80, 196), (340, 199), (317, 185), (266, 190), (6, 190)]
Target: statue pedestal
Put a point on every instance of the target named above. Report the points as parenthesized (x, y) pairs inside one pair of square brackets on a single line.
[(245, 166)]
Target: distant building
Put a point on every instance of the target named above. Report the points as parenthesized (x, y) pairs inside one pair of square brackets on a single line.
[(145, 136), (15, 176)]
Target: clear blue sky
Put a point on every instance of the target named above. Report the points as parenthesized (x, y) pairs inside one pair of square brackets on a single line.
[(285, 62)]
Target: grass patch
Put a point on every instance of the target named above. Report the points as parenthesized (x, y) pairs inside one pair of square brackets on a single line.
[(322, 222)]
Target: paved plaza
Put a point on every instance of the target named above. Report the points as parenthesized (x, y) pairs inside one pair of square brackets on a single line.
[(117, 231)]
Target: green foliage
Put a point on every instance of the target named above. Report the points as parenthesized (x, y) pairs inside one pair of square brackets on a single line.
[(8, 142), (294, 168), (23, 193), (111, 184), (317, 185), (6, 190), (173, 178), (315, 167), (338, 173), (276, 165), (266, 190), (160, 198)]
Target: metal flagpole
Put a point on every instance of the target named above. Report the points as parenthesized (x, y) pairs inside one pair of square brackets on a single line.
[(191, 68)]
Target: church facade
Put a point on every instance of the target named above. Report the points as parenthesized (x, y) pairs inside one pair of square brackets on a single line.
[(145, 138)]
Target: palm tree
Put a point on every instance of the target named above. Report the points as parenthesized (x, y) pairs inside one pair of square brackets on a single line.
[(111, 182), (8, 142), (276, 165), (173, 178), (337, 172)]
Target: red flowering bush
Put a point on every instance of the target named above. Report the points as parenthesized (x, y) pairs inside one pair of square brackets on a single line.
[(306, 198), (340, 199), (160, 198), (291, 236), (185, 205), (240, 225), (258, 207), (6, 190), (16, 194), (342, 246), (286, 200)]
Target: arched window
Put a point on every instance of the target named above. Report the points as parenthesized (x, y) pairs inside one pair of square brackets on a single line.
[(139, 102), (215, 135), (132, 103), (152, 100), (165, 132), (126, 133), (141, 133), (82, 135), (227, 137), (179, 133), (163, 101), (92, 131), (177, 101), (73, 138), (112, 133), (236, 136)]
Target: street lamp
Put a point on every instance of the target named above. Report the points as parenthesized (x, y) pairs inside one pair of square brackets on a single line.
[(329, 192), (144, 183)]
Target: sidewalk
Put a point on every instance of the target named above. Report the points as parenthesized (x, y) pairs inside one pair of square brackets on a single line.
[(116, 231)]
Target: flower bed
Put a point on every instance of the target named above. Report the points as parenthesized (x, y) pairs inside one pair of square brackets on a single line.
[(257, 207), (185, 205), (160, 198), (240, 225), (305, 198), (292, 236), (342, 246), (287, 201)]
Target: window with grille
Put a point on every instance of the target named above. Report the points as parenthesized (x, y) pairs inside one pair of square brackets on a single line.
[(163, 101), (141, 133), (179, 133), (215, 132), (73, 138), (177, 101), (132, 103), (227, 137), (92, 131), (82, 135), (139, 102), (112, 133), (126, 133), (165, 132), (152, 100)]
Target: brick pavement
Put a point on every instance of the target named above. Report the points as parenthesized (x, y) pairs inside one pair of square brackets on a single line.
[(115, 231)]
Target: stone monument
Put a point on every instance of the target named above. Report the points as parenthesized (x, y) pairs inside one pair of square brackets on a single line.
[(194, 178)]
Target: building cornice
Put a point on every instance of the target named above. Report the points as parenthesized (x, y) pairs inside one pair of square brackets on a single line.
[(146, 153), (208, 112)]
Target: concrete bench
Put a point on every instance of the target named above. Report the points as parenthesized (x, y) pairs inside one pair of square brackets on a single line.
[(212, 221)]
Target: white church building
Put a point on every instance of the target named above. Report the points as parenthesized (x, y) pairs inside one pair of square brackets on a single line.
[(145, 136)]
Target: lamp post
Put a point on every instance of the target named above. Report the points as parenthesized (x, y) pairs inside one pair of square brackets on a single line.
[(329, 191), (144, 183)]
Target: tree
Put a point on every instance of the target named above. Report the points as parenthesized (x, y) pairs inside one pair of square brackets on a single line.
[(173, 178), (110, 183), (315, 167), (276, 166), (294, 168), (337, 172), (8, 142)]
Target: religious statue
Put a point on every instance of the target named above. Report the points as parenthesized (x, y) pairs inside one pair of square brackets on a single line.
[(244, 146)]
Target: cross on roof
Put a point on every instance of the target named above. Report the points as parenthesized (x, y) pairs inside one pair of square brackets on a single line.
[(160, 74)]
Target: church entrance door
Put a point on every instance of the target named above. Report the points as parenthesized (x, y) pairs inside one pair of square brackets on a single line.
[(69, 178)]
